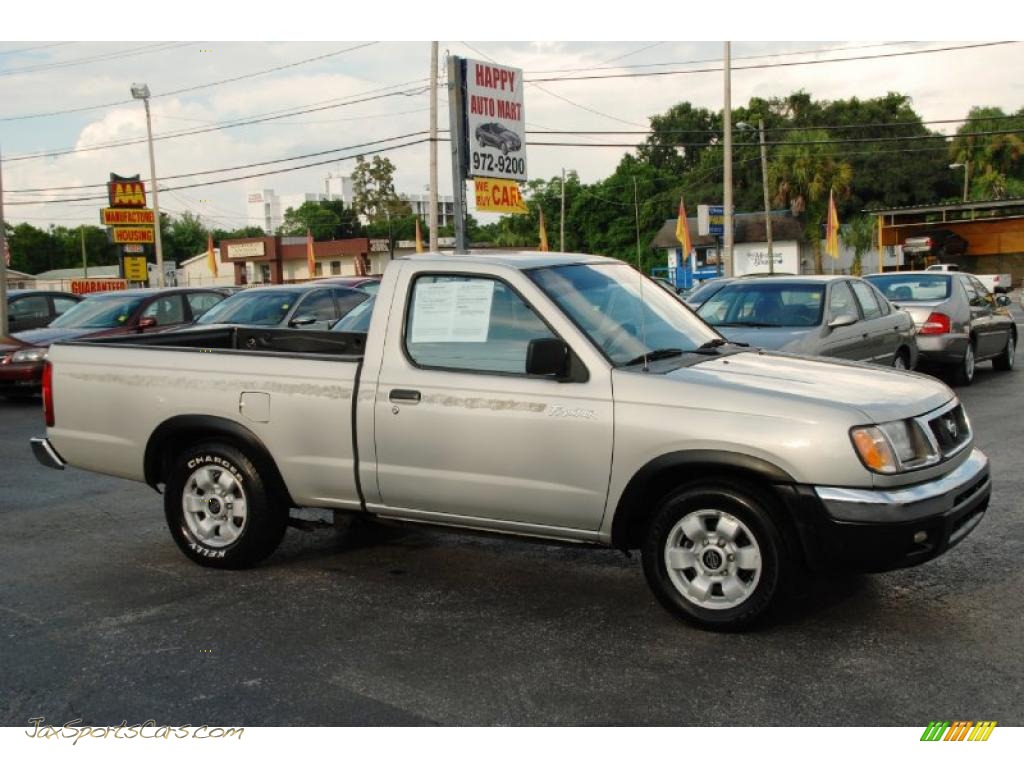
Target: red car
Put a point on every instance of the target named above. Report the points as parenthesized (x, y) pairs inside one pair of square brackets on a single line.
[(115, 313)]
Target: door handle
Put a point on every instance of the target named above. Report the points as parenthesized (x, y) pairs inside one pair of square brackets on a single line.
[(404, 396)]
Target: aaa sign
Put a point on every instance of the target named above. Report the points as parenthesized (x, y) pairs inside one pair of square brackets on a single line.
[(498, 195)]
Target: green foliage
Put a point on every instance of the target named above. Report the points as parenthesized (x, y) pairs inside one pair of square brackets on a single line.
[(997, 160), (861, 234), (35, 250), (326, 219), (373, 190)]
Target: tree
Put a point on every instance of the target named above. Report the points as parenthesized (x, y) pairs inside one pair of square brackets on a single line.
[(996, 160), (803, 173), (373, 190), (311, 217), (183, 237), (861, 234)]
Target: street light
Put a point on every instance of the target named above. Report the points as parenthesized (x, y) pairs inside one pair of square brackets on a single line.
[(966, 165), (764, 184), (141, 91)]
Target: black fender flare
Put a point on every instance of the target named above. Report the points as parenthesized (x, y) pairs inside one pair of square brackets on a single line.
[(197, 428), (637, 500)]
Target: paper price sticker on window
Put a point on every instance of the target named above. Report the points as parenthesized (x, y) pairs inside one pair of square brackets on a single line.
[(498, 195), (458, 311)]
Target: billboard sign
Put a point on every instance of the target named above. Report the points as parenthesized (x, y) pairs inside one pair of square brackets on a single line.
[(95, 285), (126, 192), (133, 235), (135, 269), (495, 121), (711, 220), (498, 195), (122, 217), (246, 250)]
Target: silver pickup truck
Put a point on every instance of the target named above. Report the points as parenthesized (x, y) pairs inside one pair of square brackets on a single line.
[(556, 396)]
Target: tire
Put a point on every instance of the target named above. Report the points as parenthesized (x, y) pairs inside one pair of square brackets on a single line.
[(1005, 360), (901, 361), (201, 504), (963, 374), (709, 532), (504, 148)]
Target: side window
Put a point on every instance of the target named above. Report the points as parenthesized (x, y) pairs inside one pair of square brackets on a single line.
[(62, 305), (883, 303), (30, 308), (867, 300), (320, 305), (199, 303), (973, 298), (167, 310), (347, 300), (981, 290), (470, 324), (841, 302)]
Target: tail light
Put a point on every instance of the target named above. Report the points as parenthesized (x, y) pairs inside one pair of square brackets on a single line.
[(935, 324), (48, 392)]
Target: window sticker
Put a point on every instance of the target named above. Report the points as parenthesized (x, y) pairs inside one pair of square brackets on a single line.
[(452, 311)]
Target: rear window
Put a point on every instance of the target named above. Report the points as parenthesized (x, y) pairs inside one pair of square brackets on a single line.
[(765, 305), (705, 292), (897, 287)]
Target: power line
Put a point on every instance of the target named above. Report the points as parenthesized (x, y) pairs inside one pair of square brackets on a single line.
[(767, 66), (128, 52), (35, 48), (184, 90)]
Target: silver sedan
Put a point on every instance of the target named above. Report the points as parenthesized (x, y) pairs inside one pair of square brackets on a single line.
[(824, 315)]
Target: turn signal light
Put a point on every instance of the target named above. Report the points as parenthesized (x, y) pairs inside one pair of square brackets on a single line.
[(935, 324), (874, 450), (48, 392)]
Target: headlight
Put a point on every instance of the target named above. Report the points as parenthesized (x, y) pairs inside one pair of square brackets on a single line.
[(28, 356), (893, 447)]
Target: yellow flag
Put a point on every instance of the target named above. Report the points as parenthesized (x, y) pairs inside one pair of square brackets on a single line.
[(211, 257), (310, 255), (683, 230), (832, 228), (543, 233), (419, 237)]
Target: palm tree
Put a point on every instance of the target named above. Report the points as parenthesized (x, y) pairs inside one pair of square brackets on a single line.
[(997, 160), (803, 172)]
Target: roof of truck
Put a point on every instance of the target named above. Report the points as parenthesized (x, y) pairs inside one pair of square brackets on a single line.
[(516, 259)]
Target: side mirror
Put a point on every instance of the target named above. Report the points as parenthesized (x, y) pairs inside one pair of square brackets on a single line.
[(1003, 300), (547, 357), (302, 320), (146, 322), (843, 320)]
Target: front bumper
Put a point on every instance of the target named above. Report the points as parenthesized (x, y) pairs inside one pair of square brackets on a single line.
[(880, 530)]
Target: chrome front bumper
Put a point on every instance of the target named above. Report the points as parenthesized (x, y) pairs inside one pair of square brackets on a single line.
[(960, 489), (45, 453)]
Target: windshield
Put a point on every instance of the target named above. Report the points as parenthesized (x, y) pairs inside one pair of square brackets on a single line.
[(773, 305), (99, 312), (252, 308), (704, 292), (897, 287), (358, 320), (605, 303)]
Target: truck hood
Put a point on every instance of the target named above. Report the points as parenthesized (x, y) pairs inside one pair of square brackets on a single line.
[(881, 394)]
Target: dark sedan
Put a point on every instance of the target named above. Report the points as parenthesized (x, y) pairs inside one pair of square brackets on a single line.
[(28, 309), (829, 316), (142, 310), (497, 135), (315, 306), (959, 323)]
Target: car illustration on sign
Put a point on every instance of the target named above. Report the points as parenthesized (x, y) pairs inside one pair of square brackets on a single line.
[(497, 135)]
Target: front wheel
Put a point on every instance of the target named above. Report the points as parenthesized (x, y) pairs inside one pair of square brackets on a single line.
[(713, 557), (901, 361), (219, 510)]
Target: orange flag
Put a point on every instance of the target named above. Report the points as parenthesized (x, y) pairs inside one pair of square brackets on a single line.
[(211, 257), (543, 233), (832, 228), (310, 257), (419, 237), (683, 230)]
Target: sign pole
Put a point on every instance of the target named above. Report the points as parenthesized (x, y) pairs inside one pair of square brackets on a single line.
[(432, 220), (3, 257), (85, 261), (156, 201), (456, 91)]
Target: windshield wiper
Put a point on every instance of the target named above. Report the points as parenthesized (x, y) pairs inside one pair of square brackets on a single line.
[(655, 354)]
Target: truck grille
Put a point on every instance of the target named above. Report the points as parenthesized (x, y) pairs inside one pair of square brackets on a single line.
[(952, 431)]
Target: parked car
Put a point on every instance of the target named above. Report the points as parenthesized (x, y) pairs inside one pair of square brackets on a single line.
[(29, 308), (936, 243), (830, 316), (942, 268), (959, 323), (140, 310), (497, 135), (358, 319), (706, 290), (315, 306), (533, 394), (365, 283)]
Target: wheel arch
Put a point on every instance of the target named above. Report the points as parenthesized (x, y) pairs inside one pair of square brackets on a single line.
[(177, 433), (660, 476)]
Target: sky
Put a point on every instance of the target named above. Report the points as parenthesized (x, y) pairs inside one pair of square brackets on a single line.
[(40, 77)]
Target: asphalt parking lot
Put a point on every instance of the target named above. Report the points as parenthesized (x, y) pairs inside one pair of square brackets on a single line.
[(101, 618)]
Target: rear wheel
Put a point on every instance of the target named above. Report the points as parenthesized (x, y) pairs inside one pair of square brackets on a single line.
[(963, 374), (1005, 361), (218, 509), (901, 360), (713, 556)]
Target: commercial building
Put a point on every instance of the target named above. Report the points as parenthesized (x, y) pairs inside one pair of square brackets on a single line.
[(277, 259)]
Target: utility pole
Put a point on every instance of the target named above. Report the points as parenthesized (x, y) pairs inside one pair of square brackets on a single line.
[(767, 207), (85, 262), (727, 202), (967, 176), (561, 235), (458, 141), (141, 91), (432, 215), (3, 258)]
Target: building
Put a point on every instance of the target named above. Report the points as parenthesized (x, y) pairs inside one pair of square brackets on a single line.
[(420, 204), (16, 279), (276, 259), (196, 271)]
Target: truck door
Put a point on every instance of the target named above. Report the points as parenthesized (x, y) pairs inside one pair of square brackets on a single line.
[(462, 430)]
